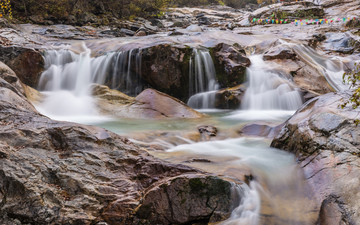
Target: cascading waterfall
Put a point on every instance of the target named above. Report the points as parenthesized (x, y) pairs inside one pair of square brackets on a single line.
[(67, 79), (267, 90), (202, 80)]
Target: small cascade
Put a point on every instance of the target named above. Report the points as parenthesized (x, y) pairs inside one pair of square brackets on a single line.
[(67, 79), (65, 70), (202, 80), (267, 90)]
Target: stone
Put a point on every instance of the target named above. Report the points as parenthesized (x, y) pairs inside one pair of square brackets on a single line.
[(148, 104), (230, 64), (127, 32), (326, 141), (280, 52), (158, 105), (175, 202), (165, 68), (28, 64), (261, 130), (229, 98), (207, 132)]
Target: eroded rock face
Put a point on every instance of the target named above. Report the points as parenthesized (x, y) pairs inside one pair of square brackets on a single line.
[(327, 144), (28, 64), (230, 64), (63, 173)]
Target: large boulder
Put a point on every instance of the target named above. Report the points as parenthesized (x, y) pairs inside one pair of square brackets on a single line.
[(149, 104), (63, 173), (28, 64), (166, 69), (230, 64), (326, 141)]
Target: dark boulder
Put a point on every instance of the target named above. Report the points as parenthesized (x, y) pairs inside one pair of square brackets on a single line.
[(27, 63), (165, 68), (230, 64)]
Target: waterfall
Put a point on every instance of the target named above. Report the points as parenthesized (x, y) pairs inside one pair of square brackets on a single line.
[(202, 80), (65, 70), (67, 79), (267, 90)]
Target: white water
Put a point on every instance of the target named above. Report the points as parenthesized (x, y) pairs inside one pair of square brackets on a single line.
[(331, 68), (267, 90), (202, 80), (275, 177), (67, 79)]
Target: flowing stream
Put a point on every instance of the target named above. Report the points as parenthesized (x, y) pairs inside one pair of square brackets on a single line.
[(202, 80), (275, 192)]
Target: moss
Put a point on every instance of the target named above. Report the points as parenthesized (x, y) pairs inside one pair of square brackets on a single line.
[(196, 185)]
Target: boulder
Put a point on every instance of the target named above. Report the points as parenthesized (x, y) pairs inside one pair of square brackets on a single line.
[(261, 130), (55, 172), (229, 98), (158, 105), (165, 68), (280, 52), (326, 141), (230, 64), (176, 202), (148, 104), (28, 64), (340, 42)]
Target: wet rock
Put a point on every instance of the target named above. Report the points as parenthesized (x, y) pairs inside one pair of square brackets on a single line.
[(127, 32), (340, 42), (230, 64), (194, 28), (158, 105), (148, 104), (27, 63), (316, 39), (326, 141), (180, 23), (207, 132), (164, 205), (140, 33), (113, 32), (175, 33), (63, 173), (229, 98), (280, 52), (156, 22), (165, 68), (261, 130)]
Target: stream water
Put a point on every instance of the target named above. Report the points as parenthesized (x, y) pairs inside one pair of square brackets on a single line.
[(275, 192)]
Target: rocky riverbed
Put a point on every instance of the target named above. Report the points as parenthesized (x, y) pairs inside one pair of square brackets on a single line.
[(56, 172)]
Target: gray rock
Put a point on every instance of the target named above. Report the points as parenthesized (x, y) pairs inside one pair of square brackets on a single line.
[(327, 144)]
